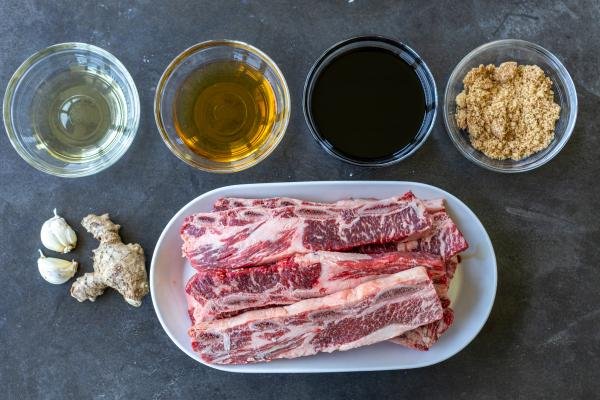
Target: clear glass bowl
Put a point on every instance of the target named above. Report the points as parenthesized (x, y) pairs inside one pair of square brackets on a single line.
[(34, 73), (523, 53), (195, 58), (402, 51)]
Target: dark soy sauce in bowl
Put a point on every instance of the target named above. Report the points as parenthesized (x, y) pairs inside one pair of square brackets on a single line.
[(370, 101)]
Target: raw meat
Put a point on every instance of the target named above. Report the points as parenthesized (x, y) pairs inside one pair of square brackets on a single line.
[(218, 291), (444, 239), (451, 266), (249, 236), (228, 203), (423, 337), (195, 310), (441, 284), (372, 312)]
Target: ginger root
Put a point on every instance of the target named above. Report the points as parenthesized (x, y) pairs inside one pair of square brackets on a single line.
[(116, 265)]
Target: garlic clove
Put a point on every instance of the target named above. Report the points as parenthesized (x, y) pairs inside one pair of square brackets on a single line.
[(57, 235), (55, 270)]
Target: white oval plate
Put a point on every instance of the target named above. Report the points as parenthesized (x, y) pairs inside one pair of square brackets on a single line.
[(472, 292)]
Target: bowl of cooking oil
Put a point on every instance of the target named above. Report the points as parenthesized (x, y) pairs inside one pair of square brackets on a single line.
[(71, 110), (222, 106)]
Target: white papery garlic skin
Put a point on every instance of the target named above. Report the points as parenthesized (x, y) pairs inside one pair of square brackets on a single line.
[(57, 235), (55, 270)]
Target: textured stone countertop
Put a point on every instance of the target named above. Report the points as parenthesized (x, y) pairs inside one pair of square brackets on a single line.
[(542, 338)]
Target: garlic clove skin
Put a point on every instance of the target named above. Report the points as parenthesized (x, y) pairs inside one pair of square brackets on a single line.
[(57, 235), (55, 270)]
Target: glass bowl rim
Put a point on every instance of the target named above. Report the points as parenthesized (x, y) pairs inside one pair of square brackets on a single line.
[(557, 66), (191, 51), (32, 61), (312, 76)]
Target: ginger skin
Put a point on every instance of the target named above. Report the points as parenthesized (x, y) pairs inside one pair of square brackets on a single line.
[(116, 265)]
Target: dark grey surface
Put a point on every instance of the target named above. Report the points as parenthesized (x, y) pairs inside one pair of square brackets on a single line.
[(542, 338)]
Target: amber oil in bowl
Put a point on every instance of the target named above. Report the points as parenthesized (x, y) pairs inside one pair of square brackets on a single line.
[(222, 106), (225, 111)]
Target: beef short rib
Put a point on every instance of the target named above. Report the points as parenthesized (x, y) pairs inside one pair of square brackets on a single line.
[(252, 236), (371, 312), (214, 292), (444, 238)]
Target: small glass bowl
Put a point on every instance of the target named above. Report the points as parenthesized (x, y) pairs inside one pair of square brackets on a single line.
[(405, 53), (33, 73), (197, 57), (525, 53)]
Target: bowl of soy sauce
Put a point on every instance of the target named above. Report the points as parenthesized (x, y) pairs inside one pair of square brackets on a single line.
[(370, 101)]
